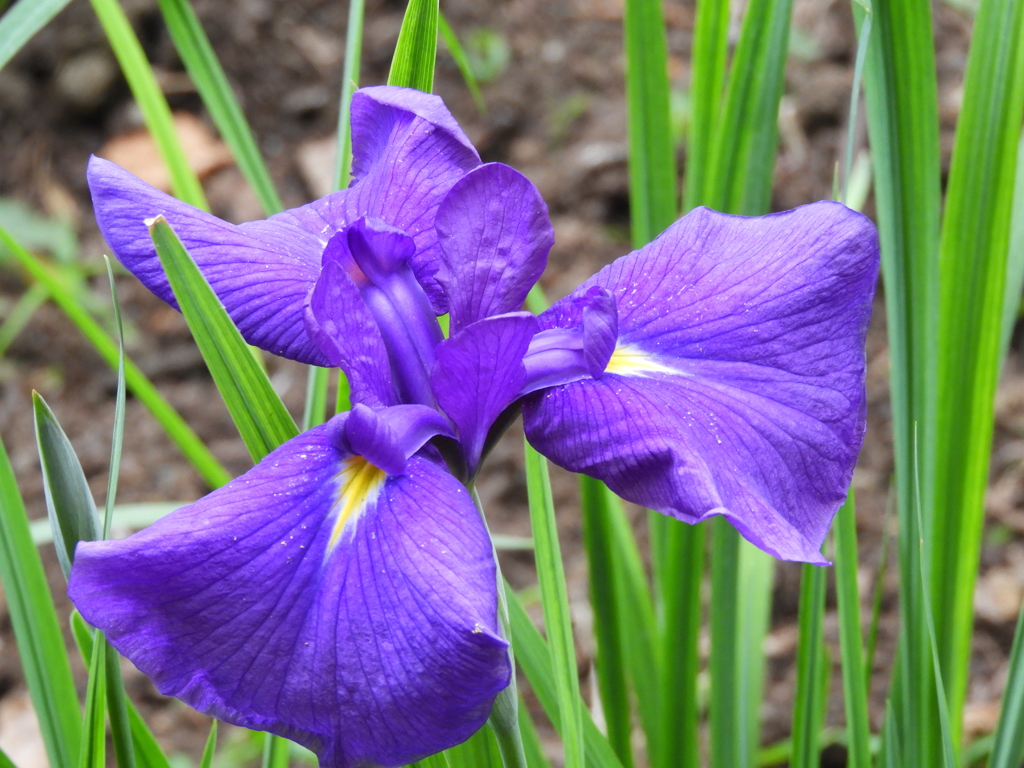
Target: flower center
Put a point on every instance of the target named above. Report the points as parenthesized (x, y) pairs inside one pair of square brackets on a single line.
[(359, 481)]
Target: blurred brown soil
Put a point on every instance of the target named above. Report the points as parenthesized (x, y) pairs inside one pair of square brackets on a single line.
[(557, 113)]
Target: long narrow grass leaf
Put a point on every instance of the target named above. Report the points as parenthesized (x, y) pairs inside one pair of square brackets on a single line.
[(349, 83), (745, 139), (727, 733), (680, 579), (148, 752), (206, 761), (176, 428), (945, 728), (36, 629), (647, 653), (479, 751), (275, 752), (259, 414), (20, 314), (811, 663), (741, 585), (973, 255), (851, 646), (315, 409), (93, 752), (416, 50), (609, 622), (117, 709), (535, 659), (531, 740), (69, 501), (199, 59), (21, 23), (707, 85), (652, 168), (451, 42), (555, 601), (118, 435), (863, 37), (1008, 745), (150, 98), (903, 127), (1014, 261)]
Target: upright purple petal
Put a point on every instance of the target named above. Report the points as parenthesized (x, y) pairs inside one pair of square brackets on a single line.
[(495, 234), (316, 598), (261, 271), (737, 384), (339, 323), (479, 372), (407, 151)]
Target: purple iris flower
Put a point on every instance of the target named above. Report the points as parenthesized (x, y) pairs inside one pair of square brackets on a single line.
[(343, 592)]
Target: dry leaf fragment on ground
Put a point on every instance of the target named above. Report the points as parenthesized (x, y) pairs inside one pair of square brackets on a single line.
[(137, 152)]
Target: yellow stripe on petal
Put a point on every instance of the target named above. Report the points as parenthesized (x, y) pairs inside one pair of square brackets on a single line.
[(630, 360), (358, 484)]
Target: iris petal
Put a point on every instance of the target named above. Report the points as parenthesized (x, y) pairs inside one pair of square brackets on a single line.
[(737, 384), (495, 235), (379, 650)]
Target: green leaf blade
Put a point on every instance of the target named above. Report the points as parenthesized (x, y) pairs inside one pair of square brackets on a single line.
[(811, 670), (652, 167), (535, 659), (555, 601), (259, 414), (609, 622), (416, 50), (21, 23), (903, 127), (973, 257), (69, 501), (851, 646), (36, 629), (710, 46), (94, 744)]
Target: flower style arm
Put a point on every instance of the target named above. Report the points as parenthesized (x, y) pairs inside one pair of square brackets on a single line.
[(736, 387), (318, 596)]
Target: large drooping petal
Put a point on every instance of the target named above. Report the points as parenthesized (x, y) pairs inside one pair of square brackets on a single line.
[(479, 372), (317, 598), (737, 384), (261, 271), (407, 152), (495, 234)]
